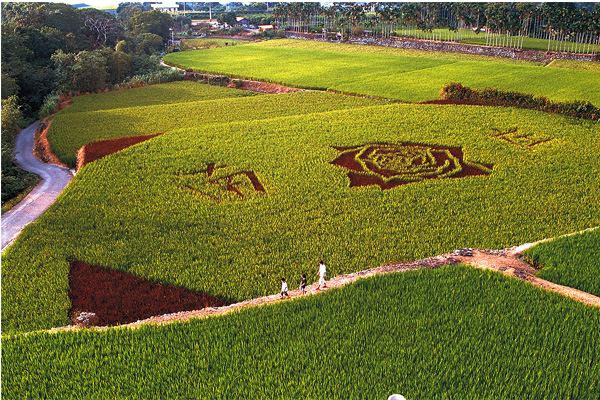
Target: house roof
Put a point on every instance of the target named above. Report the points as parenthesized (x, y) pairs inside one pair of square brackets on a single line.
[(165, 5), (239, 19)]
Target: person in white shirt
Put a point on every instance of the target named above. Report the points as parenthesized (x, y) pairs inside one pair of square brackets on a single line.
[(322, 273), (284, 289)]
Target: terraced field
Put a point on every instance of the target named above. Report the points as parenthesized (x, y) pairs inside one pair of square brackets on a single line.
[(453, 332), (183, 208), (241, 191), (210, 105), (390, 73)]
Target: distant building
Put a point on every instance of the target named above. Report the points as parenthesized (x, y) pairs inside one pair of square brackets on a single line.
[(266, 27), (241, 21), (170, 8)]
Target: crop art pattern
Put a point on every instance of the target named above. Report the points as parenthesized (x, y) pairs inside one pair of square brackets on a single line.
[(516, 138), (391, 165), (222, 184)]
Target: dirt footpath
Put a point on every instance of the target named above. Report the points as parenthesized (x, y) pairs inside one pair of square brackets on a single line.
[(505, 261)]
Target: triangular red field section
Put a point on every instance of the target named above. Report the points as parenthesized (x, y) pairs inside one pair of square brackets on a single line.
[(121, 298)]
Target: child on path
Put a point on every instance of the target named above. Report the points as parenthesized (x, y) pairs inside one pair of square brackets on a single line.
[(322, 273), (303, 284), (284, 289)]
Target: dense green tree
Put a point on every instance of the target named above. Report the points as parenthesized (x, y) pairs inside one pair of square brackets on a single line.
[(24, 14), (126, 10), (154, 21), (85, 71), (148, 43), (118, 65), (227, 18), (11, 118), (14, 180)]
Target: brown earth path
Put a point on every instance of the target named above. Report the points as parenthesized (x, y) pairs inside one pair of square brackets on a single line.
[(505, 261)]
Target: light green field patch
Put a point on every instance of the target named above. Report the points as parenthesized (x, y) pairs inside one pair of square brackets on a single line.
[(454, 332), (66, 135), (571, 261), (400, 77), (167, 93), (572, 64)]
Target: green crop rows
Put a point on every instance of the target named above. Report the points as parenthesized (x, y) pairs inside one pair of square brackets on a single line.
[(242, 189), (384, 73), (455, 332), (169, 93), (571, 261), (148, 210), (66, 136)]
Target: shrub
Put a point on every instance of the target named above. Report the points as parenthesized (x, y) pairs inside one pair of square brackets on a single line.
[(50, 106), (358, 30), (506, 98), (162, 76), (11, 117)]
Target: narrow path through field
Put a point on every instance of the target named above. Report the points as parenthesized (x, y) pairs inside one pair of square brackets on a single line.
[(504, 261), (54, 180)]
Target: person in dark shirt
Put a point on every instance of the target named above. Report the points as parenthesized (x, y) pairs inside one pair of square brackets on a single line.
[(303, 284)]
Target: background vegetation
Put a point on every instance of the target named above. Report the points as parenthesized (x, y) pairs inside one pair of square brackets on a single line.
[(52, 49), (14, 180), (546, 26)]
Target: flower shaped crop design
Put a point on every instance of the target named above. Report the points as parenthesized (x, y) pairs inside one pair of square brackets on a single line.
[(391, 165)]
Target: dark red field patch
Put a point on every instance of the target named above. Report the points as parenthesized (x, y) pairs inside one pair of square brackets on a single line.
[(121, 298), (392, 165), (102, 148)]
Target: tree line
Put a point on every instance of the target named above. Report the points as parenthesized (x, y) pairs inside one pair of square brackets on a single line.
[(566, 21), (49, 49)]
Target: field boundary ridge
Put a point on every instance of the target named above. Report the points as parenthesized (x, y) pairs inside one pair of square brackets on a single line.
[(508, 262)]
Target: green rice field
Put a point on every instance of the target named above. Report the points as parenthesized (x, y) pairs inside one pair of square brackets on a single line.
[(384, 73), (571, 261), (243, 188), (455, 332), (155, 211)]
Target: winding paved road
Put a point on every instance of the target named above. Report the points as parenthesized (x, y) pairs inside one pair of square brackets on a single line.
[(54, 179)]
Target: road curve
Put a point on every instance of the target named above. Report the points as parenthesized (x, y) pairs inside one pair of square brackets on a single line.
[(54, 179)]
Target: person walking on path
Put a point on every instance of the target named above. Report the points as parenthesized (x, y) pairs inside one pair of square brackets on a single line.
[(303, 284), (322, 273), (284, 289)]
